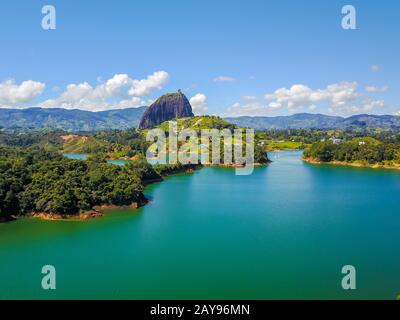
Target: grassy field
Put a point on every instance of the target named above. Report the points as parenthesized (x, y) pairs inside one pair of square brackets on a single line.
[(285, 145), (83, 144)]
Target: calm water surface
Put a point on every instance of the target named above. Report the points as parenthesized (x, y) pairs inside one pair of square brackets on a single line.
[(84, 156), (283, 232)]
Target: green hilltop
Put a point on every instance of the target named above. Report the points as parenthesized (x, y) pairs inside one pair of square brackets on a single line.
[(200, 122)]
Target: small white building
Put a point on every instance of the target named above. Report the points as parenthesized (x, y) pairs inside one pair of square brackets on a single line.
[(336, 141)]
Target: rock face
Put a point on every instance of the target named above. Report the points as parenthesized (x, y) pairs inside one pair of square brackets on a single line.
[(167, 107)]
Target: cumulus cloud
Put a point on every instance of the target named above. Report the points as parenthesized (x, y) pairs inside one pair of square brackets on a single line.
[(340, 98), (16, 95), (364, 106), (146, 86), (199, 103), (375, 89), (299, 95), (224, 79), (119, 92)]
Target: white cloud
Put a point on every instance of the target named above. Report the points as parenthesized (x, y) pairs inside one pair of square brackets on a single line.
[(361, 105), (116, 93), (375, 89), (146, 86), (14, 95), (224, 79), (199, 104), (299, 95), (113, 86), (340, 98), (247, 109), (367, 105), (375, 68)]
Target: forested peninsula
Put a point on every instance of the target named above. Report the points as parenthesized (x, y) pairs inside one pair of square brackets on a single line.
[(359, 152), (37, 180)]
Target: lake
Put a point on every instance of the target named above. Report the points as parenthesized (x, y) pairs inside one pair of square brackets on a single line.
[(283, 232), (84, 156)]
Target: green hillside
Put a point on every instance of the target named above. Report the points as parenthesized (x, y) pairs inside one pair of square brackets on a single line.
[(200, 122), (83, 144)]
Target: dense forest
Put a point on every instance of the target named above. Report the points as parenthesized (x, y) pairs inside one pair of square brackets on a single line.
[(35, 177), (36, 180), (366, 150), (308, 136), (33, 180)]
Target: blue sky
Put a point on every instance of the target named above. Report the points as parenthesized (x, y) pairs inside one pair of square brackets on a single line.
[(253, 57)]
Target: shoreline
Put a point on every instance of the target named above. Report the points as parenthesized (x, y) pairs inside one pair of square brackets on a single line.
[(283, 150), (352, 164), (99, 210), (234, 165), (59, 217), (94, 213), (256, 164)]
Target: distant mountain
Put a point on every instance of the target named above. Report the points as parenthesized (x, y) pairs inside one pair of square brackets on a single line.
[(172, 106), (70, 120), (370, 120), (318, 121), (167, 107)]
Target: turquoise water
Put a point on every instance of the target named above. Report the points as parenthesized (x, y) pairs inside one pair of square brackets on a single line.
[(283, 232), (83, 156), (119, 162), (76, 156)]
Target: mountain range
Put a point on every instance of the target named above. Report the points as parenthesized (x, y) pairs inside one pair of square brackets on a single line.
[(79, 120), (70, 120), (318, 121)]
